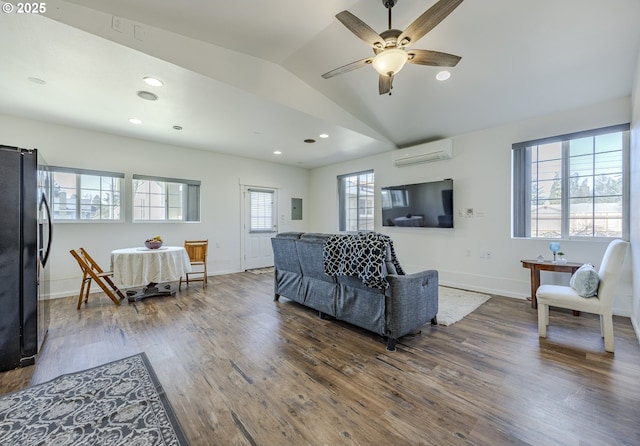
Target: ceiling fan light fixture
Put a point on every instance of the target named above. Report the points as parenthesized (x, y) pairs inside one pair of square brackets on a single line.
[(390, 61)]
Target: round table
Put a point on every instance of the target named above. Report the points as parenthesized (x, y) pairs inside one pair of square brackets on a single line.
[(136, 267)]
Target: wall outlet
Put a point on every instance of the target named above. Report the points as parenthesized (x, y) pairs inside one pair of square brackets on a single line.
[(139, 32), (116, 24)]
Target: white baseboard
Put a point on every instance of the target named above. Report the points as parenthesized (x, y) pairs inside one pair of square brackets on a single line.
[(74, 292), (636, 328)]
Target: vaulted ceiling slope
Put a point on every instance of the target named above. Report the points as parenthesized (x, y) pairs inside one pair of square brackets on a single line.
[(244, 77)]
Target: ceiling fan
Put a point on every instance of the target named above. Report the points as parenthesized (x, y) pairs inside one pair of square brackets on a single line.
[(390, 46)]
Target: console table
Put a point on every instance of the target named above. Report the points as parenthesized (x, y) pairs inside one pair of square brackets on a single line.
[(536, 266)]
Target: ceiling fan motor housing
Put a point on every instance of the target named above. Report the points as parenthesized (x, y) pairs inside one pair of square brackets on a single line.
[(390, 37)]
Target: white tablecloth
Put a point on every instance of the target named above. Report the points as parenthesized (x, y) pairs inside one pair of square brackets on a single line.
[(140, 266)]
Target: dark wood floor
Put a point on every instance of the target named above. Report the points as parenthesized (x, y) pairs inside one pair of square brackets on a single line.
[(240, 369)]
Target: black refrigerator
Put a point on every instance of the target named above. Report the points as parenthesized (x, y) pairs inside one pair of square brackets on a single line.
[(25, 243)]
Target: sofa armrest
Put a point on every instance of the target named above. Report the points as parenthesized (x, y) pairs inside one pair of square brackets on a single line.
[(412, 301)]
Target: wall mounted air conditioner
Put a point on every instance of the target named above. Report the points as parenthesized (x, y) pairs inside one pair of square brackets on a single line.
[(424, 153)]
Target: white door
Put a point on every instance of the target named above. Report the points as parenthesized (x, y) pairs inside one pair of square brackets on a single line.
[(260, 224)]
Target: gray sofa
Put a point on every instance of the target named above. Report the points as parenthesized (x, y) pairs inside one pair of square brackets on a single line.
[(406, 304)]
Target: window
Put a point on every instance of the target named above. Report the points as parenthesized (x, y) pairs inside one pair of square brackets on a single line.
[(355, 201), (262, 210), (165, 199), (572, 186), (86, 195)]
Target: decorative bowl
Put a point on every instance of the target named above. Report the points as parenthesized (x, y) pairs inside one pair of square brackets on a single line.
[(153, 244)]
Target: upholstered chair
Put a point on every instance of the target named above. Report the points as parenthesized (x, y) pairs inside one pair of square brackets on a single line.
[(601, 304)]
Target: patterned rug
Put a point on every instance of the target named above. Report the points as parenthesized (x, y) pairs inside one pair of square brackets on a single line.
[(454, 304), (120, 403)]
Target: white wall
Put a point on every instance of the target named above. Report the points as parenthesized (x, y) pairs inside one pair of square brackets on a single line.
[(635, 197), (221, 177), (481, 170)]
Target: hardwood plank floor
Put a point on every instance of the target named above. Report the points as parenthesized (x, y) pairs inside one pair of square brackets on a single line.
[(240, 369)]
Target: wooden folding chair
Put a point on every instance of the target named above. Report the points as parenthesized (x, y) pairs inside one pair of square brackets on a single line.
[(197, 251), (92, 271)]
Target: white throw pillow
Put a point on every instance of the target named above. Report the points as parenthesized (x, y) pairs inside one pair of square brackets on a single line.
[(585, 281)]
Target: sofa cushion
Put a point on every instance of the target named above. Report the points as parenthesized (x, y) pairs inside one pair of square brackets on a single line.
[(289, 235), (314, 237), (309, 254), (585, 281), (391, 268), (391, 260)]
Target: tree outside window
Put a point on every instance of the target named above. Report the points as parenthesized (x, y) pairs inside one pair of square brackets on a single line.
[(572, 186)]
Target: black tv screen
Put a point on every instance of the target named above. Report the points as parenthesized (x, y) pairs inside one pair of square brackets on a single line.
[(423, 205)]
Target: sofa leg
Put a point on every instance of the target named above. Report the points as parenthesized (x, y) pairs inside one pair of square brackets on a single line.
[(434, 321), (276, 297), (320, 314), (391, 344)]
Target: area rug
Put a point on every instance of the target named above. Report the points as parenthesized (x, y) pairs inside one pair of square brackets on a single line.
[(454, 304), (119, 403)]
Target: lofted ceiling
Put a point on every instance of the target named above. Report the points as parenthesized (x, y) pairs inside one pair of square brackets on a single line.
[(244, 77)]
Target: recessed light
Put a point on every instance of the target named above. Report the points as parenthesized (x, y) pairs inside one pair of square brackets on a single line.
[(443, 75), (147, 95), (309, 141), (323, 135), (36, 80), (277, 152), (135, 121), (152, 81)]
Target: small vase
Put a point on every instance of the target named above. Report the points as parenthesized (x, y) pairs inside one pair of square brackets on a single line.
[(561, 260)]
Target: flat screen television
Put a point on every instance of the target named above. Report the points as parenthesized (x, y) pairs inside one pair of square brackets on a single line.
[(423, 205)]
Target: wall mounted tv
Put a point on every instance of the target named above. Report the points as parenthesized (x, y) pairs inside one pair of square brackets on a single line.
[(423, 205)]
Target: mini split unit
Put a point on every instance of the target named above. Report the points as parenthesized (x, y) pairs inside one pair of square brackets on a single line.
[(423, 153)]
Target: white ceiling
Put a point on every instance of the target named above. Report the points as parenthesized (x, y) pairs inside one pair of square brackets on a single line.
[(244, 77)]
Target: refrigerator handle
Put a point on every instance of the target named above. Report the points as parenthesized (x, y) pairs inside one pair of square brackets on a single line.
[(44, 256)]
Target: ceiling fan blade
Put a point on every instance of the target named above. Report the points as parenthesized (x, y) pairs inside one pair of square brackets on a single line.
[(385, 84), (427, 21), (348, 67), (360, 29), (432, 58)]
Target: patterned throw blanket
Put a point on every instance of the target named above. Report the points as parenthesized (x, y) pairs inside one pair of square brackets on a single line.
[(361, 255)]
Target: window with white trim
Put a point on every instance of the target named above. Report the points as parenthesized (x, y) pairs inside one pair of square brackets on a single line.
[(355, 201), (86, 195), (261, 210), (572, 186), (165, 199)]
